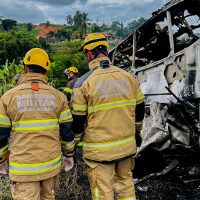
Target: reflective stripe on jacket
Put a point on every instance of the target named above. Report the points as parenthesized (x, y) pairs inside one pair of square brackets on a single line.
[(108, 96)]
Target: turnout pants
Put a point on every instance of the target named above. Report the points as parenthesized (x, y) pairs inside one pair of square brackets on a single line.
[(38, 190), (107, 179)]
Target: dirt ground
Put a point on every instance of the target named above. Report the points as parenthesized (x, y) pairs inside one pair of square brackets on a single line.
[(75, 186), (166, 187)]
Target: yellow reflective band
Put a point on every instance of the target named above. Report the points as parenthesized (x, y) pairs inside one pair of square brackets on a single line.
[(140, 96), (30, 169), (128, 198), (113, 144), (69, 90), (3, 150), (80, 144), (4, 120), (111, 105), (79, 107), (68, 145), (65, 115), (37, 125), (96, 193)]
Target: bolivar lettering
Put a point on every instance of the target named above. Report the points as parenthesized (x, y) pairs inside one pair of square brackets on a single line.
[(35, 102)]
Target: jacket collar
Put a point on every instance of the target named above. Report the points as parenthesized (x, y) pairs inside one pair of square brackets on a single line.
[(28, 77), (96, 63)]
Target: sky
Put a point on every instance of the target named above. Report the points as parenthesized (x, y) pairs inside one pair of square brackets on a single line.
[(55, 11)]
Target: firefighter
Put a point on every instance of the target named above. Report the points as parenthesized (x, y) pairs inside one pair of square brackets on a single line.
[(40, 121), (106, 105), (72, 73)]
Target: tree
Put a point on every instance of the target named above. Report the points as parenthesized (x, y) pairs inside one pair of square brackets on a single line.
[(132, 26), (8, 24), (115, 26), (29, 27), (47, 23), (14, 45), (78, 23), (120, 31), (7, 73), (70, 20), (64, 33), (136, 23), (84, 21), (104, 27), (63, 59), (96, 28)]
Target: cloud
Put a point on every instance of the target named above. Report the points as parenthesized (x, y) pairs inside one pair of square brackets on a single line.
[(37, 11), (119, 2), (21, 11)]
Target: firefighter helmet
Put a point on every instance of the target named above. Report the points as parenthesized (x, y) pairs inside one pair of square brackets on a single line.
[(37, 56), (71, 69), (94, 40)]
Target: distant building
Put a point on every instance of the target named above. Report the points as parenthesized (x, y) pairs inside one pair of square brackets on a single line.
[(109, 36)]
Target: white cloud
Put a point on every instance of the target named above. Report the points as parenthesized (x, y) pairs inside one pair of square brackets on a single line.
[(37, 11), (120, 2)]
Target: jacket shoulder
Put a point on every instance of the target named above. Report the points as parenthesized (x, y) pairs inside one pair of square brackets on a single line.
[(82, 79), (129, 74)]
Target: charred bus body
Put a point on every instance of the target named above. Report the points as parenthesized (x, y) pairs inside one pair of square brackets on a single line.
[(165, 52)]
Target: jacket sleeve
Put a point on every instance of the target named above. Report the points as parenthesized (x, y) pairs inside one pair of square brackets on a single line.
[(68, 92), (139, 111), (66, 134), (79, 111), (5, 129), (69, 89), (139, 115)]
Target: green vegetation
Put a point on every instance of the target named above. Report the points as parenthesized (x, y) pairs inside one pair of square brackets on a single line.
[(14, 45), (60, 41), (7, 72), (64, 58)]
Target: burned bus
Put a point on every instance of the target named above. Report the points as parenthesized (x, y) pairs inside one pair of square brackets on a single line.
[(164, 55)]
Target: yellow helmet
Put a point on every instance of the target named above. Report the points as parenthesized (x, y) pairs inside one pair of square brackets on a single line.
[(71, 69), (37, 56), (94, 40)]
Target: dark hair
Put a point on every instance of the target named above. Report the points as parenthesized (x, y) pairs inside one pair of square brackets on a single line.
[(99, 49), (36, 69)]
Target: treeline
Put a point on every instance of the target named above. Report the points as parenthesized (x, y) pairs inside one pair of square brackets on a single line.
[(60, 41), (77, 26), (80, 24)]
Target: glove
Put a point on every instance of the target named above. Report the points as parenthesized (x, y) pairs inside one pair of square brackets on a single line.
[(68, 163), (138, 138)]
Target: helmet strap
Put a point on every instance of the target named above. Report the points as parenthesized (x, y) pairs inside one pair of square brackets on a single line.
[(91, 55), (25, 69)]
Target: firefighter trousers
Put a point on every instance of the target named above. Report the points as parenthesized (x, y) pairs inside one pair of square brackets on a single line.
[(38, 190), (108, 179)]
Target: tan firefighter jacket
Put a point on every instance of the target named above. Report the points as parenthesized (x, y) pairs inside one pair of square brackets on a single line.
[(69, 89), (40, 120), (108, 96)]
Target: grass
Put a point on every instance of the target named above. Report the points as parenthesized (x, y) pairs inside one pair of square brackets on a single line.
[(5, 193), (73, 185)]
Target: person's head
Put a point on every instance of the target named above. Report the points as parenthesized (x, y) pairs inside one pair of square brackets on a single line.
[(36, 60), (95, 46), (71, 72)]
